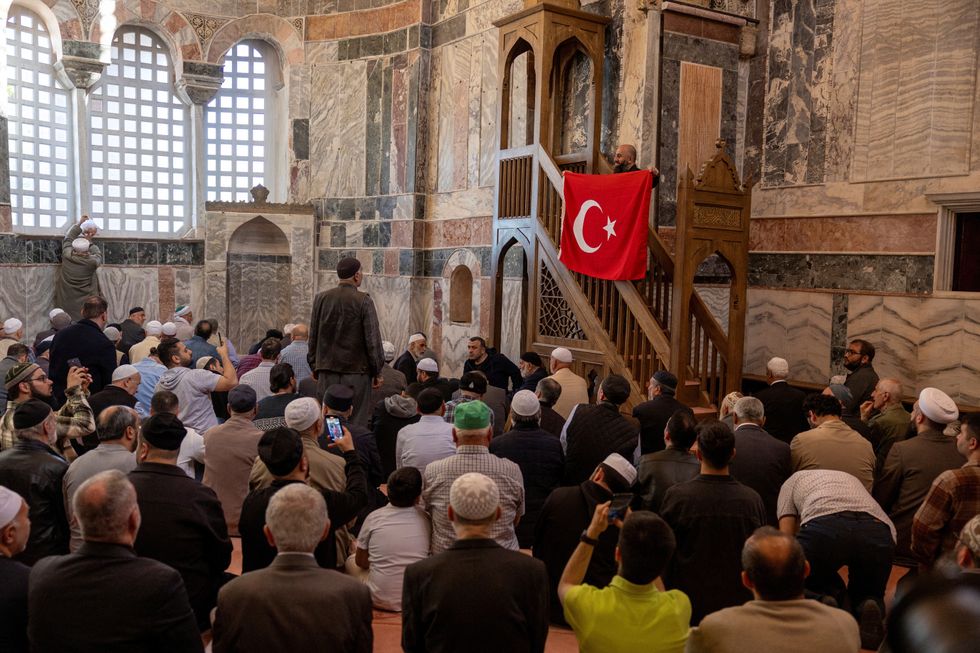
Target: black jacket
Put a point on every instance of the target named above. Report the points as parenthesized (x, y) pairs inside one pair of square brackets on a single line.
[(594, 432), (34, 471), (110, 395), (565, 514), (447, 387), (183, 526), (531, 382), (653, 416), (711, 517), (83, 340), (501, 371), (341, 508), (386, 426), (406, 365), (476, 597), (763, 463), (551, 421), (134, 605), (539, 455), (661, 470), (132, 333), (345, 336), (861, 382), (13, 605), (783, 405)]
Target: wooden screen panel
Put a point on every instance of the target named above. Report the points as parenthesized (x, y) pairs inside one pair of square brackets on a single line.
[(700, 116)]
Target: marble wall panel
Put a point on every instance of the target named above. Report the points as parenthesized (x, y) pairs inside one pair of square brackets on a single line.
[(126, 287), (392, 299), (915, 99), (866, 233), (793, 325), (338, 129), (511, 323), (488, 106), (576, 105), (189, 287), (716, 298), (929, 341), (27, 293)]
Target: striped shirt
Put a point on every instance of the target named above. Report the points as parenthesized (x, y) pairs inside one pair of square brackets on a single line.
[(439, 477), (295, 354), (813, 493)]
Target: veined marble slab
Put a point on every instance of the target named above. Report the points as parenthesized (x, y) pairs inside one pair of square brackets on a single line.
[(338, 129), (793, 325), (126, 287)]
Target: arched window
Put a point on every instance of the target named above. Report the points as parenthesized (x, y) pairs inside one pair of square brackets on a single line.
[(140, 132), (461, 295), (238, 123), (38, 122)]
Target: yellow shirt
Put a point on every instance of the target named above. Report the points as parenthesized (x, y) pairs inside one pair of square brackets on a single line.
[(627, 617)]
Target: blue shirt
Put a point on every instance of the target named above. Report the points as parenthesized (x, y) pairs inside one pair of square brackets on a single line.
[(150, 372), (295, 354), (200, 347)]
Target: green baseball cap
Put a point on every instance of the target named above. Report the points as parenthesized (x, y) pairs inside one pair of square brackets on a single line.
[(471, 415)]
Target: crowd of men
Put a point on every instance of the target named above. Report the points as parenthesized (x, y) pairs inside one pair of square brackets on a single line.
[(485, 508)]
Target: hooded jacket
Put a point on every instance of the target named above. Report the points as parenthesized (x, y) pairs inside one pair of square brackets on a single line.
[(389, 417)]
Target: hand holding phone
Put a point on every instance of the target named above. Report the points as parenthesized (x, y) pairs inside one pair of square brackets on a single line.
[(334, 430), (619, 505), (74, 362)]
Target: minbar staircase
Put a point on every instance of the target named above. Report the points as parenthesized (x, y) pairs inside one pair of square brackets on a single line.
[(632, 328), (631, 323)]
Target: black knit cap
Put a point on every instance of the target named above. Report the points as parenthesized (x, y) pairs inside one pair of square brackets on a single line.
[(532, 358), (347, 267), (164, 431), (30, 413), (339, 397), (281, 449)]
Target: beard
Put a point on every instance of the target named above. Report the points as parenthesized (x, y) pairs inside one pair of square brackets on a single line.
[(620, 167), (852, 365)]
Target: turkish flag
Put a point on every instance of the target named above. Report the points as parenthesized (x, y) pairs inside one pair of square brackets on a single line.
[(604, 230)]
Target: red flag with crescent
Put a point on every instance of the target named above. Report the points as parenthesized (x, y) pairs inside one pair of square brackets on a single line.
[(604, 230)]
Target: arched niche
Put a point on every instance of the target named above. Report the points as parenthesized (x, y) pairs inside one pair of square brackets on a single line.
[(512, 277), (259, 278), (519, 88), (575, 110), (713, 284), (461, 295)]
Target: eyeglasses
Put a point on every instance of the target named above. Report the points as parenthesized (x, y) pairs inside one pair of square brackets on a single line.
[(853, 353), (40, 379)]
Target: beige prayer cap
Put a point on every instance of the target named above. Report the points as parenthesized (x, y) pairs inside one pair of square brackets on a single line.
[(80, 244), (474, 496), (10, 503), (937, 406)]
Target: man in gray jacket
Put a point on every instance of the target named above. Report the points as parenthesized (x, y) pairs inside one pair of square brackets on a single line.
[(80, 260), (345, 339)]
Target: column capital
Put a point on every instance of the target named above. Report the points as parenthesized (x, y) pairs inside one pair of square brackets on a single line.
[(200, 81), (80, 64)]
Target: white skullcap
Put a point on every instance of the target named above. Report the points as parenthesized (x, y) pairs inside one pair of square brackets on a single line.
[(525, 403), (168, 329), (54, 312), (10, 503), (12, 325), (89, 225), (153, 328), (778, 366), (561, 355), (389, 350), (415, 337), (301, 413), (428, 365), (80, 244), (622, 467), (474, 496), (182, 310), (123, 372), (112, 333), (937, 406)]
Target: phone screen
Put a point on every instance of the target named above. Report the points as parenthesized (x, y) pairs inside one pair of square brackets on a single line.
[(334, 430), (617, 507), (74, 362)]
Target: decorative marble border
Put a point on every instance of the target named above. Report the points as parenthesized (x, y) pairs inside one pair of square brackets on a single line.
[(25, 251), (899, 273)]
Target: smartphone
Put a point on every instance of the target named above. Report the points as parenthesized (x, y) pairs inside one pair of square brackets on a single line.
[(617, 507), (334, 430), (74, 362)]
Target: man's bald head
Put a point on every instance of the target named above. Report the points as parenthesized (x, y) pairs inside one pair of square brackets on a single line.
[(894, 389), (774, 565), (300, 332), (625, 155), (106, 509)]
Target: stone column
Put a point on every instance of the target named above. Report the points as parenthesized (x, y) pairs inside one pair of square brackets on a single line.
[(80, 68), (197, 86)]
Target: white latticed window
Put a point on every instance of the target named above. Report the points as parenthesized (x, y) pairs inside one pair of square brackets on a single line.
[(38, 123), (139, 128), (237, 136)]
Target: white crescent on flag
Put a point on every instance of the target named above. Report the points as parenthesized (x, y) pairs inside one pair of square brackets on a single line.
[(579, 224)]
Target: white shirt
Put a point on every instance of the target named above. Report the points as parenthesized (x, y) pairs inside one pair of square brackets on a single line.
[(258, 378), (428, 440), (191, 451), (394, 538)]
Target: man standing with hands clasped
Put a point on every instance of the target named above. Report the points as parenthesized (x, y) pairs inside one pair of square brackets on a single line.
[(345, 339)]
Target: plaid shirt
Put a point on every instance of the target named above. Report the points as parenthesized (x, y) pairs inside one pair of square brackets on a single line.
[(75, 419), (953, 500), (450, 413), (439, 476)]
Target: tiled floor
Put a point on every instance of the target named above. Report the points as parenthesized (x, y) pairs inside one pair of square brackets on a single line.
[(388, 625)]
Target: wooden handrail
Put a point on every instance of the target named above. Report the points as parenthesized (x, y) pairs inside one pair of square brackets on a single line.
[(703, 315), (550, 169)]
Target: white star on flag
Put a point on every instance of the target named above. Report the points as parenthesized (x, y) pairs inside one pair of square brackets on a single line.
[(610, 228)]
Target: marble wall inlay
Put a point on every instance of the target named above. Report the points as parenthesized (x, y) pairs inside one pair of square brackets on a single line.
[(793, 325)]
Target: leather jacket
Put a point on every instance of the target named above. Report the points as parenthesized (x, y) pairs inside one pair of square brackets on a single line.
[(345, 336), (34, 471), (661, 470)]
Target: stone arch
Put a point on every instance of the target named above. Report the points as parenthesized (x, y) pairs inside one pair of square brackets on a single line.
[(449, 338), (259, 236), (461, 295), (170, 25), (54, 14), (277, 31)]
